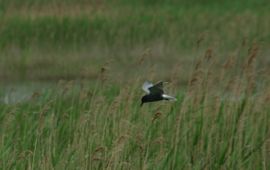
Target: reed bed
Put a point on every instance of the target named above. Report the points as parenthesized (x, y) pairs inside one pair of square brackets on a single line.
[(216, 58), (220, 121)]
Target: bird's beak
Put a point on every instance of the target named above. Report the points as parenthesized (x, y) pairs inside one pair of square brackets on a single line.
[(141, 104)]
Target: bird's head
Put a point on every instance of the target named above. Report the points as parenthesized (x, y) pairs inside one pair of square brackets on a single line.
[(143, 100)]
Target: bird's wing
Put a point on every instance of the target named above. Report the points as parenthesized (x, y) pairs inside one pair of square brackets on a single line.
[(165, 96), (157, 88), (146, 86)]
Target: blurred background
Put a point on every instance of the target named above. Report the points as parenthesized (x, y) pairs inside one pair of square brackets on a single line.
[(51, 40)]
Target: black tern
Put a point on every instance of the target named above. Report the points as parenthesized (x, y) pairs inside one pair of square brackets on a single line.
[(154, 93)]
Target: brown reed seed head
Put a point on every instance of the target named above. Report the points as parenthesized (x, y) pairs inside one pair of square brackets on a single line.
[(102, 70), (103, 73), (208, 54), (145, 54), (229, 62), (199, 41), (244, 41), (99, 149), (35, 95), (253, 52), (198, 65), (156, 116)]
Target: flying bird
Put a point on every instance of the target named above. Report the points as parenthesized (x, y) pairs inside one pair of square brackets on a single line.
[(154, 92)]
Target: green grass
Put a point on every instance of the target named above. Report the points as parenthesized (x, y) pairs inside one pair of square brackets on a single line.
[(178, 23), (179, 27)]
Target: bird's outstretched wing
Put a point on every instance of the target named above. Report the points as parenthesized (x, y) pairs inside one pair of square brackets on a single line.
[(157, 88), (146, 86)]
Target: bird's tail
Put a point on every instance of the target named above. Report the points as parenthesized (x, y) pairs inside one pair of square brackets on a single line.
[(167, 97)]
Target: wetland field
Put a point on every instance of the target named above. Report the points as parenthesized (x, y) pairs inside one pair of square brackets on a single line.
[(71, 73)]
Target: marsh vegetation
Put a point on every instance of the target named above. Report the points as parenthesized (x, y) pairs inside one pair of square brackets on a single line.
[(88, 62)]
